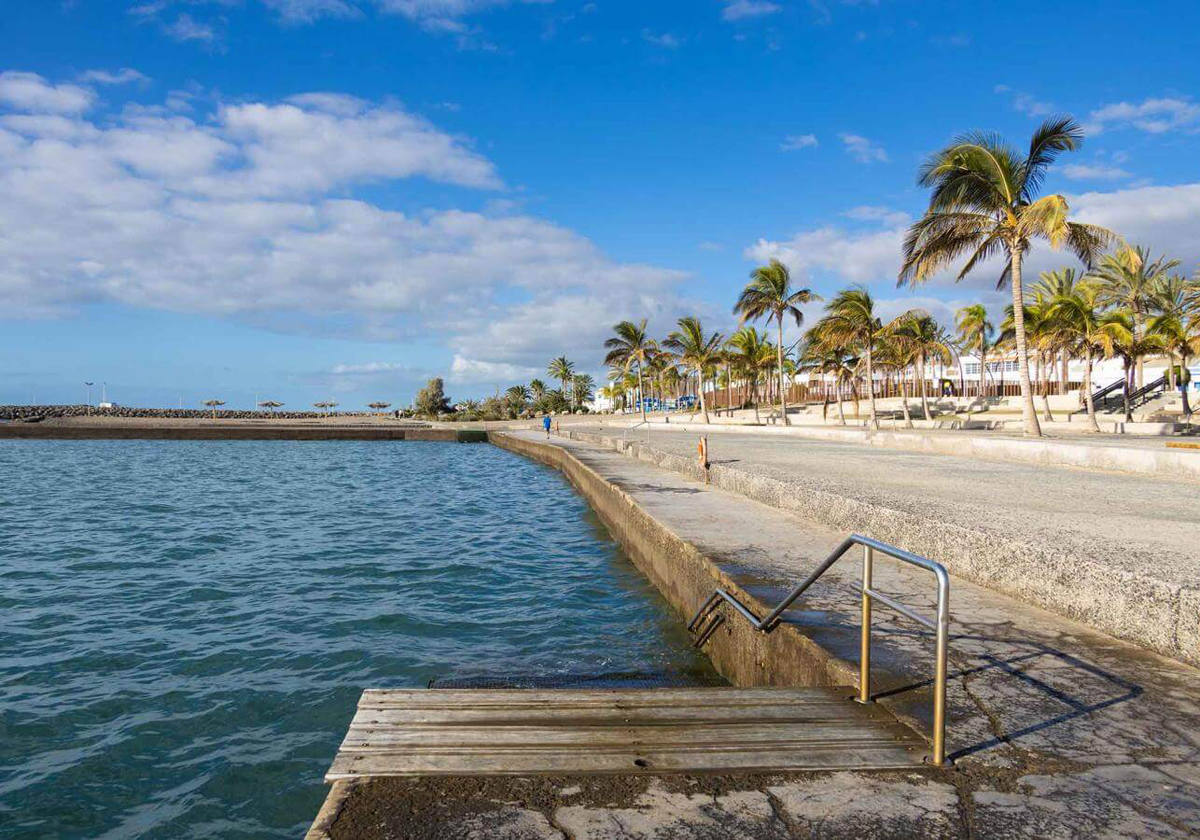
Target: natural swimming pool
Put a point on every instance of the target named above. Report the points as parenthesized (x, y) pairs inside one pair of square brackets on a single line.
[(188, 625)]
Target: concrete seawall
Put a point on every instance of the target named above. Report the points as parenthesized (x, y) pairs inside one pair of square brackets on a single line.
[(115, 431), (685, 576)]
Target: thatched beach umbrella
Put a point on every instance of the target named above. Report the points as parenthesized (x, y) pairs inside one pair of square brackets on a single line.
[(378, 406), (325, 406), (214, 405), (270, 404)]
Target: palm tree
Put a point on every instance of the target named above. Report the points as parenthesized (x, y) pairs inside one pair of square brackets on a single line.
[(563, 371), (850, 320), (750, 350), (1079, 318), (985, 203), (769, 295), (1130, 279), (696, 351), (898, 356), (920, 335), (537, 389), (517, 397), (631, 347), (975, 332), (825, 356), (583, 388), (1051, 286)]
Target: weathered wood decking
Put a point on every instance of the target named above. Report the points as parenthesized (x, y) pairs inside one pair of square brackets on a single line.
[(523, 732)]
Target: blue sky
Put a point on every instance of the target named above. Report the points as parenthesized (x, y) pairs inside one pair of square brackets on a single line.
[(315, 199)]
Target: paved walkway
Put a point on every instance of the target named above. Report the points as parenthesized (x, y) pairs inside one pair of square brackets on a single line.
[(1058, 731), (1117, 551)]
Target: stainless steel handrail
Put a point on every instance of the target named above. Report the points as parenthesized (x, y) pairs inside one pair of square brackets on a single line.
[(940, 625)]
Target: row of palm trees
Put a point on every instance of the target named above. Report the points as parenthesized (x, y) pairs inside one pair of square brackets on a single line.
[(1129, 306), (984, 204)]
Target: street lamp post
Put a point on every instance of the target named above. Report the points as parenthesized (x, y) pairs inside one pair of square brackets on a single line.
[(89, 396)]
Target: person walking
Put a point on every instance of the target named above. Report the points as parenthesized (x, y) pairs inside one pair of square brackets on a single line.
[(546, 425)]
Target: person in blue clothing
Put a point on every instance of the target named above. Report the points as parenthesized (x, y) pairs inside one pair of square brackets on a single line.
[(546, 424)]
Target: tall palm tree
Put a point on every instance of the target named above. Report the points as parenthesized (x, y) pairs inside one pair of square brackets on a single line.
[(750, 351), (850, 319), (696, 351), (583, 388), (826, 356), (1050, 286), (1130, 279), (896, 356), (564, 371), (1079, 318), (537, 389), (630, 347), (921, 336), (769, 295), (975, 331), (518, 398), (984, 203)]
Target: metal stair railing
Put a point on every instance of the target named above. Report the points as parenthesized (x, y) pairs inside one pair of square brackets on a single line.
[(940, 624), (1147, 392)]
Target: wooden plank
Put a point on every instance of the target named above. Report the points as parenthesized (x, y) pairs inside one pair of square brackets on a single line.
[(498, 732)]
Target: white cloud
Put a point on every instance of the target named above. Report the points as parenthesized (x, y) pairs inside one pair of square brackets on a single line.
[(874, 213), (1155, 116), (124, 76), (1166, 219), (30, 92), (665, 40), (187, 28), (480, 372), (246, 210), (796, 142), (1026, 103), (849, 256), (862, 149), (307, 11), (1088, 172), (743, 9)]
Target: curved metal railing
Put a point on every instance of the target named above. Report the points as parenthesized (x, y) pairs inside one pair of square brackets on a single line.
[(940, 624)]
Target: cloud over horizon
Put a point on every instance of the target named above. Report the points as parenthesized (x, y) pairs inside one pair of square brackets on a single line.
[(249, 211)]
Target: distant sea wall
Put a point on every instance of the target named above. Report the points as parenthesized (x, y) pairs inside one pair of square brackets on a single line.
[(44, 412)]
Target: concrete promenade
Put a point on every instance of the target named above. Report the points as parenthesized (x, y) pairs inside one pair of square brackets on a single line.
[(1130, 453), (1056, 730), (1118, 552)]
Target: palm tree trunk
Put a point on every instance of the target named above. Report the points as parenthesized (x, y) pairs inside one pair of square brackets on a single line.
[(871, 387), (1139, 330), (1125, 389), (1063, 372), (729, 386), (841, 410), (641, 392), (782, 389), (908, 424), (1045, 364), (924, 394), (1087, 389), (754, 396), (1032, 427), (703, 404)]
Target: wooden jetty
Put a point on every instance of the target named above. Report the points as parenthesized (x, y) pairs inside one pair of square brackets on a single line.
[(664, 730)]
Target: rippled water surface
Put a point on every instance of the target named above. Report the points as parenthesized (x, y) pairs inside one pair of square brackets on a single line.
[(187, 626)]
